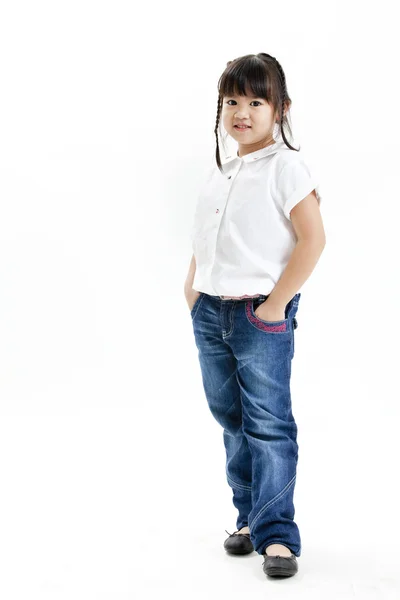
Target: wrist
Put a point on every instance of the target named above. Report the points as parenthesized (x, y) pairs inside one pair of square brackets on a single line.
[(275, 303)]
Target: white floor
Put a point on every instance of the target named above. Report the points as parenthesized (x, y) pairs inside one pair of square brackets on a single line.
[(207, 571), (89, 511), (191, 566)]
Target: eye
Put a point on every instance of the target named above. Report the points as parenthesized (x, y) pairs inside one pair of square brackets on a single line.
[(235, 102)]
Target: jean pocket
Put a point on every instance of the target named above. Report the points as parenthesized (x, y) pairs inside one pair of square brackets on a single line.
[(276, 327), (196, 303)]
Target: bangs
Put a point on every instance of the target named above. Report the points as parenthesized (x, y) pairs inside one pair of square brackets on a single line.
[(250, 77)]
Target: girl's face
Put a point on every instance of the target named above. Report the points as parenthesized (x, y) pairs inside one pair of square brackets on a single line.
[(257, 113)]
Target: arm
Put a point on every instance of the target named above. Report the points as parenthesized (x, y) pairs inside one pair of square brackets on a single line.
[(190, 276), (307, 223)]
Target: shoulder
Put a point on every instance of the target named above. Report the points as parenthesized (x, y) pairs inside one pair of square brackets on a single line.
[(295, 177), (289, 160), (294, 167)]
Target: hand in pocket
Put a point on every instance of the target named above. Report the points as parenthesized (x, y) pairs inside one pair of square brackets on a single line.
[(191, 298), (265, 312)]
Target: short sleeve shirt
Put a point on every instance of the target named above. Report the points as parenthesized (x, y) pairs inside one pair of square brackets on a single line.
[(242, 236)]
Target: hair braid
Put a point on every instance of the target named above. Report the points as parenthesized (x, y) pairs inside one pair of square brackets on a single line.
[(219, 107), (282, 80), (283, 84)]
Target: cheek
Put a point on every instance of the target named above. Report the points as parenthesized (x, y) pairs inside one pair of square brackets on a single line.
[(226, 119)]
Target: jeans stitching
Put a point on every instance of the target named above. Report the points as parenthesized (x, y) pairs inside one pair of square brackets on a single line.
[(275, 499), (238, 485), (197, 304), (259, 324), (231, 322)]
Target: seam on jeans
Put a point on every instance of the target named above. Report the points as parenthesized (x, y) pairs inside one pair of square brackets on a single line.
[(259, 324), (197, 304), (226, 411), (238, 485), (275, 499), (231, 322)]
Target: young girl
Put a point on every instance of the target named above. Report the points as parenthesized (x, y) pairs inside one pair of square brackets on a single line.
[(257, 236)]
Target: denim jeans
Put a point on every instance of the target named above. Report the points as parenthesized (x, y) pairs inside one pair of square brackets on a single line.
[(245, 364)]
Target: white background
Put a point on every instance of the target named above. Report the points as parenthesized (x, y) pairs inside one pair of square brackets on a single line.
[(111, 466)]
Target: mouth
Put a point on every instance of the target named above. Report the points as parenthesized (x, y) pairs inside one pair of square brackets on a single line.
[(241, 127)]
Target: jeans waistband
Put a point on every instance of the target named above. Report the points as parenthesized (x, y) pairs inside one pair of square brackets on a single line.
[(245, 296), (240, 299)]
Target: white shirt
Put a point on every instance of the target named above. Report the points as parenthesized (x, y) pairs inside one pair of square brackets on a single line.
[(242, 236)]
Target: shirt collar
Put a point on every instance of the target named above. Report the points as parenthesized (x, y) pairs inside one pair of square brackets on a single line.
[(251, 156)]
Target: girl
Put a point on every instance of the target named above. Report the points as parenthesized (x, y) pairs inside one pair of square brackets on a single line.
[(257, 236)]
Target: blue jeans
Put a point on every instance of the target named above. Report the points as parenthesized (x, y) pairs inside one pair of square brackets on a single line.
[(246, 366)]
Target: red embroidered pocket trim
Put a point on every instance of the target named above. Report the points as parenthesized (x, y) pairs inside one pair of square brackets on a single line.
[(264, 326)]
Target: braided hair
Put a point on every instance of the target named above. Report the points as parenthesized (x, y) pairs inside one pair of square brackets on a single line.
[(263, 75)]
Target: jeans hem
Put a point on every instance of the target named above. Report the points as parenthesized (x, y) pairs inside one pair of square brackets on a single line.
[(294, 549)]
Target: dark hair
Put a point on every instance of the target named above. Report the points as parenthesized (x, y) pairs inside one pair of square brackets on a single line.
[(260, 75)]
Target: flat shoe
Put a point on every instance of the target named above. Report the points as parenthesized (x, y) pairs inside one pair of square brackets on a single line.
[(280, 566), (238, 543)]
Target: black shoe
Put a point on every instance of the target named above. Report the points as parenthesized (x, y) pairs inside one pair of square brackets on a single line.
[(280, 566), (238, 543)]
